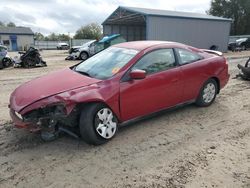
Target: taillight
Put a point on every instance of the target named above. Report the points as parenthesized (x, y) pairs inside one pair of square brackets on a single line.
[(225, 61)]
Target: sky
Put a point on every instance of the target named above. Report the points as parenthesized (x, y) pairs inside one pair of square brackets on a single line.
[(66, 16)]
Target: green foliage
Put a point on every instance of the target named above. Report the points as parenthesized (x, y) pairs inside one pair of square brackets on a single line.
[(11, 24), (39, 36), (63, 37), (1, 24), (56, 37), (237, 10), (90, 31)]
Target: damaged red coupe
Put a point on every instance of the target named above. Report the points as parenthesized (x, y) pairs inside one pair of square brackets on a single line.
[(124, 82)]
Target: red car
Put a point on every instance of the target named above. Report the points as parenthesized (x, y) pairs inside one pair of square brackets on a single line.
[(124, 82)]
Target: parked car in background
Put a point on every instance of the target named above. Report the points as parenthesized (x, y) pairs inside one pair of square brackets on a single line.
[(93, 47), (5, 60), (108, 41), (239, 44), (82, 52), (124, 82), (62, 46)]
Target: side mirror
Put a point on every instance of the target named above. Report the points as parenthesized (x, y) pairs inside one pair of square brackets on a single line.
[(137, 74)]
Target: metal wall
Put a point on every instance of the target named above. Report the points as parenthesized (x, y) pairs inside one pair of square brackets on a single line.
[(128, 32), (195, 32), (23, 41), (50, 45)]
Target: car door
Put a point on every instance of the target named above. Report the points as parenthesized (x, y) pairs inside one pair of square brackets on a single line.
[(92, 48), (248, 43), (160, 88), (193, 72)]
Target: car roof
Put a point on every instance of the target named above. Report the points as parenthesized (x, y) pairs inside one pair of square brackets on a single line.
[(142, 45)]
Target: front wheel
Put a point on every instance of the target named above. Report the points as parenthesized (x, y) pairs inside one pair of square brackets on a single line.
[(207, 93), (84, 56), (98, 124)]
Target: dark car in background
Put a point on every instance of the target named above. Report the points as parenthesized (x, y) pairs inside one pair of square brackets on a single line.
[(239, 44)]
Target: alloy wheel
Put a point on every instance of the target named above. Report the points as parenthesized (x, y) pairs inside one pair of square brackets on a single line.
[(209, 92)]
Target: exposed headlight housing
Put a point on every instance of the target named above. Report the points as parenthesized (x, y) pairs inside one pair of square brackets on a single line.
[(75, 50), (18, 115), (53, 110)]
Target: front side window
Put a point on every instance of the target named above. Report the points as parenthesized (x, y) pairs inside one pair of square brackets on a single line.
[(156, 61), (187, 56)]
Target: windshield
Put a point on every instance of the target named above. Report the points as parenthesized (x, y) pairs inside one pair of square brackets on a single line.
[(241, 40), (106, 63)]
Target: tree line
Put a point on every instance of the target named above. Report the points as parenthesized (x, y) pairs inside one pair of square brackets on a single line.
[(10, 24), (237, 10), (89, 31)]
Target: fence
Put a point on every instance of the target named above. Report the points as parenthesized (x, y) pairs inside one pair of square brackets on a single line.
[(51, 45)]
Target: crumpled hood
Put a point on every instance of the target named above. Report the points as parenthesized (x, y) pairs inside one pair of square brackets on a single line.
[(46, 86)]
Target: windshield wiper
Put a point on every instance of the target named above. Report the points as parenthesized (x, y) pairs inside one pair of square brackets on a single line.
[(82, 72)]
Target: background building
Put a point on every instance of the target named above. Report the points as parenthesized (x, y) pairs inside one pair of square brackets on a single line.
[(199, 30), (16, 38)]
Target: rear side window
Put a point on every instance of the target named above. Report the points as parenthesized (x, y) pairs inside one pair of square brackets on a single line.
[(156, 61), (187, 56)]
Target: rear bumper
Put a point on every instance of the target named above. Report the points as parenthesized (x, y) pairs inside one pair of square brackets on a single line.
[(224, 78), (19, 123)]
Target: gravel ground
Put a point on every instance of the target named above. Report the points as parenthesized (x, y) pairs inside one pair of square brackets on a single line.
[(186, 147)]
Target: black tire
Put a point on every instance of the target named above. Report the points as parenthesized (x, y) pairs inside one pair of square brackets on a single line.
[(1, 65), (203, 101), (244, 47), (84, 56), (7, 62), (89, 123), (43, 63)]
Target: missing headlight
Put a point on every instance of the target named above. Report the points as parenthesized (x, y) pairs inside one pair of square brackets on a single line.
[(48, 111)]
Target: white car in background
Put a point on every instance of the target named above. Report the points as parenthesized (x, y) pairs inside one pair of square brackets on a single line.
[(82, 52), (62, 46)]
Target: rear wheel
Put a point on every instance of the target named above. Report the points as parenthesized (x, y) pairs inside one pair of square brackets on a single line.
[(244, 47), (98, 124), (207, 93), (29, 62)]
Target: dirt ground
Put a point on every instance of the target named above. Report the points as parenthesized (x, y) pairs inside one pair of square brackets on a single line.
[(187, 147)]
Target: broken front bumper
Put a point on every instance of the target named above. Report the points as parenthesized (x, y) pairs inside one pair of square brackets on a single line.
[(19, 123)]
